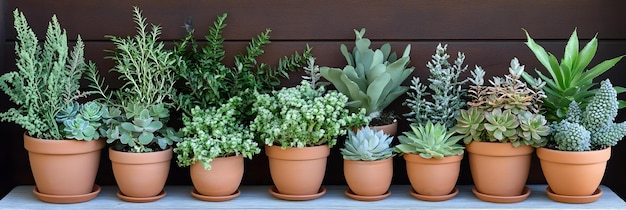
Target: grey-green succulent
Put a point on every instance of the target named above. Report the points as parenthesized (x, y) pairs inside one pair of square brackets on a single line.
[(593, 128), (372, 79), (82, 121), (367, 144), (430, 141)]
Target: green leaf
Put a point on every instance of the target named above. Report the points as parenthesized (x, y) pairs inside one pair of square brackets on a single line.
[(570, 56), (153, 126), (145, 138), (600, 68)]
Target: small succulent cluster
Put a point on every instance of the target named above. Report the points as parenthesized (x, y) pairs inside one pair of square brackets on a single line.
[(446, 91), (215, 132), (85, 121), (430, 141), (372, 79), (301, 116), (368, 145), (507, 110), (593, 128)]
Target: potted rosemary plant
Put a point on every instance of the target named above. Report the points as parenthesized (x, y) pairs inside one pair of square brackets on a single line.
[(372, 79), (368, 164), (583, 132), (298, 126), (139, 136), (217, 109), (501, 128), (63, 147)]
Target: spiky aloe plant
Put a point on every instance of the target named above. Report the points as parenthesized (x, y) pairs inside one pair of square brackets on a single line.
[(430, 141), (367, 144)]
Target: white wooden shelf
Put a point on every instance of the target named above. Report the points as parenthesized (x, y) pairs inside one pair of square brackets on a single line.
[(257, 197)]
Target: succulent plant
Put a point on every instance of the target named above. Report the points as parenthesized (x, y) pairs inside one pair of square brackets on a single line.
[(571, 80), (82, 121), (510, 110), (445, 88), (593, 128), (430, 141), (367, 144), (372, 79)]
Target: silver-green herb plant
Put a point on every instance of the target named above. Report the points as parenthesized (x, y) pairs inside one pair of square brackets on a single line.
[(372, 78), (147, 71), (430, 141), (445, 89), (367, 145), (591, 129), (215, 132), (47, 79), (506, 110)]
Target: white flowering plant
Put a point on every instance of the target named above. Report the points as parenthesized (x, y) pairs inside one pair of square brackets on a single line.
[(215, 132), (302, 116)]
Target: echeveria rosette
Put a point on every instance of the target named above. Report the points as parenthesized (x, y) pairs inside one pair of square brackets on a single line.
[(82, 121), (501, 125), (533, 129), (367, 145), (213, 133), (470, 124), (301, 116)]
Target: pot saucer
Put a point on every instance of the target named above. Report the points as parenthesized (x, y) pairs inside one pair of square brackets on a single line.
[(351, 194), (502, 199), (67, 198), (574, 199), (450, 195), (276, 194), (199, 196), (140, 200)]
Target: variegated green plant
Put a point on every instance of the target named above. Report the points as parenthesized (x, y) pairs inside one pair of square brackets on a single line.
[(372, 79), (430, 141), (367, 144)]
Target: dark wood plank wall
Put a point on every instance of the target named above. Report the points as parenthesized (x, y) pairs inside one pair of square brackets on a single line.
[(488, 31)]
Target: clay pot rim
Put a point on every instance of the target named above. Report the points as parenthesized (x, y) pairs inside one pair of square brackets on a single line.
[(140, 158), (60, 147), (574, 157), (498, 148), (303, 153), (410, 157)]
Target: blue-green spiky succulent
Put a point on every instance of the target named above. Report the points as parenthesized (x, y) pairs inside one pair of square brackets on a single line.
[(592, 128), (430, 141), (367, 144)]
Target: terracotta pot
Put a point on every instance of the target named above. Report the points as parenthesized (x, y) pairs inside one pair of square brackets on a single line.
[(64, 167), (390, 129), (368, 178), (297, 171), (573, 173), (433, 177), (140, 175), (499, 169), (223, 179)]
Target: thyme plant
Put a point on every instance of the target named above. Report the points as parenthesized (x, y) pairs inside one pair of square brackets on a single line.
[(47, 78)]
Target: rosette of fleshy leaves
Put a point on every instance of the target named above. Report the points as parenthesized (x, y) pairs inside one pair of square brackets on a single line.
[(506, 110), (85, 121)]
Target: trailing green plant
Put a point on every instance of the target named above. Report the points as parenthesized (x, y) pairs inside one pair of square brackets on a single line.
[(372, 78), (367, 145), (47, 79), (446, 91), (430, 141), (506, 110), (570, 80), (215, 132), (209, 82), (302, 116), (591, 129), (147, 71)]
